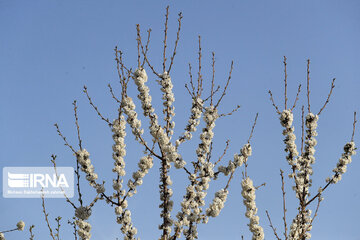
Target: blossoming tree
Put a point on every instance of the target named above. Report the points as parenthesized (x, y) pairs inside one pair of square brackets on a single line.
[(165, 148)]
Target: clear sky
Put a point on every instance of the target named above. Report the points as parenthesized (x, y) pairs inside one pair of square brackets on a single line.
[(49, 49)]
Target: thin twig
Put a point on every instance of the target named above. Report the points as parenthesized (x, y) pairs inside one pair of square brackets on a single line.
[(146, 46), (261, 185), (53, 160), (144, 52), (328, 98), (165, 37), (271, 225), (285, 80), (253, 127), (31, 232), (212, 79), (302, 129), (77, 124), (297, 97), (225, 150), (226, 85), (273, 102), (230, 113), (353, 132), (46, 217), (308, 84), (229, 180), (176, 42), (57, 234), (200, 79), (64, 138), (95, 108), (113, 95), (284, 202)]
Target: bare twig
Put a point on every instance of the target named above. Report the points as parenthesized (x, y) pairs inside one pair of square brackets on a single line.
[(261, 185), (273, 102), (176, 42), (77, 172), (328, 98), (200, 79), (308, 84), (95, 108), (253, 127), (64, 138), (165, 37), (46, 217), (226, 85), (285, 80), (271, 225), (225, 150), (31, 232), (146, 46), (212, 79), (229, 180), (230, 113), (297, 97), (302, 129), (353, 132), (113, 95), (284, 203)]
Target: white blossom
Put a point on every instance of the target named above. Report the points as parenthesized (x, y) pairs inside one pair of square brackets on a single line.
[(83, 229), (341, 166), (194, 121), (127, 228), (248, 193), (168, 97), (86, 166), (217, 203), (20, 226), (286, 120), (239, 159)]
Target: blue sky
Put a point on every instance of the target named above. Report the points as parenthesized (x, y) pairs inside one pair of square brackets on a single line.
[(50, 49)]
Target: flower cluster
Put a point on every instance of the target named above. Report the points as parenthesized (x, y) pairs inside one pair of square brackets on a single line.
[(307, 158), (127, 228), (118, 128), (129, 109), (301, 226), (349, 150), (84, 229), (185, 216), (166, 207), (218, 203), (196, 192), (168, 97), (156, 130), (239, 159), (20, 226), (83, 213), (194, 121), (207, 134), (286, 120), (145, 164), (140, 78), (86, 166), (248, 193), (206, 168)]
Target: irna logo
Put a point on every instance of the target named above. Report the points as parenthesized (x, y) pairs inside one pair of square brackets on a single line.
[(18, 180), (34, 182)]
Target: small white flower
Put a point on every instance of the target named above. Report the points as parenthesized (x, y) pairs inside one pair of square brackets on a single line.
[(20, 226)]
